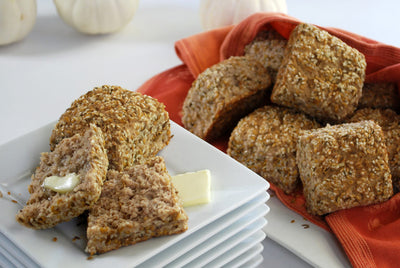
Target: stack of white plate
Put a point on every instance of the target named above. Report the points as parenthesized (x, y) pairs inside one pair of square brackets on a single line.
[(228, 231)]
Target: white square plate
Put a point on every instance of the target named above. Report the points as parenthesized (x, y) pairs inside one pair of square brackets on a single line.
[(222, 231), (293, 232), (232, 186)]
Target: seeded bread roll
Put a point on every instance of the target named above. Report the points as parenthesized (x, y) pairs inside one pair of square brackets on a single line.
[(389, 121), (223, 94), (268, 48), (135, 204), (320, 75), (135, 126), (84, 155), (265, 141), (343, 166), (380, 95)]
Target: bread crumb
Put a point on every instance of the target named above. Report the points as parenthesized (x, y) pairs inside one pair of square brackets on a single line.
[(83, 154), (135, 205)]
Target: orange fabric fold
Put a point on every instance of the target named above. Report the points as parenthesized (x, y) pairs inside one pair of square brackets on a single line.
[(369, 235), (207, 53)]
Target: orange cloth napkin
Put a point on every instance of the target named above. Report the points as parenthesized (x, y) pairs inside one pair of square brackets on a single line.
[(369, 235)]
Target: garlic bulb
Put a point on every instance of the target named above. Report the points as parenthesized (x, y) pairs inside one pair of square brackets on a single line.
[(96, 16), (17, 18), (218, 13)]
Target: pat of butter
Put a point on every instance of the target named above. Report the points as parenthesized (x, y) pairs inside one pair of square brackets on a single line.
[(63, 184), (193, 187)]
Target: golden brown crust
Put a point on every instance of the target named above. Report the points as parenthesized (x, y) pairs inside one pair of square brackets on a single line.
[(389, 121), (135, 126), (224, 93), (136, 204), (265, 141), (84, 155), (269, 49), (320, 75), (344, 166), (380, 95)]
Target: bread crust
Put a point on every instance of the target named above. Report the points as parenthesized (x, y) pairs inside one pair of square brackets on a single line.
[(389, 121), (223, 94), (343, 166), (265, 141), (380, 95), (135, 126), (269, 49), (320, 75)]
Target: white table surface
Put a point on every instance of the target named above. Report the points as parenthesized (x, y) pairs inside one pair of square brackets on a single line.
[(43, 74)]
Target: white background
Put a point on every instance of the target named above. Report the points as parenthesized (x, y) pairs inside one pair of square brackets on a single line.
[(43, 74)]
